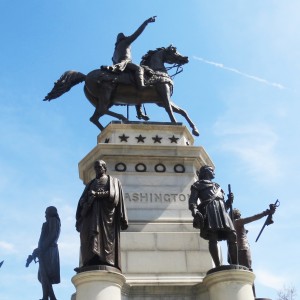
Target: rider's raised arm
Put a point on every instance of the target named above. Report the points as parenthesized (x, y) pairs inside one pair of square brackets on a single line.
[(137, 33)]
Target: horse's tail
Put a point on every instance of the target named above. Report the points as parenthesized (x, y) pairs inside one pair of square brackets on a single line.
[(64, 84)]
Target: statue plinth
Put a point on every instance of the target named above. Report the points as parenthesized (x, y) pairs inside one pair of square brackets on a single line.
[(98, 285), (229, 283)]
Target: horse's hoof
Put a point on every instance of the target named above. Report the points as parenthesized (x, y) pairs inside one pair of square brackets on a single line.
[(195, 132)]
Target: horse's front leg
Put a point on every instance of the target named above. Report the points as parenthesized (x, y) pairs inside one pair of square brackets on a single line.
[(163, 90)]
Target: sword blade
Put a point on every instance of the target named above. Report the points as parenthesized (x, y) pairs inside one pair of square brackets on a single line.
[(260, 232)]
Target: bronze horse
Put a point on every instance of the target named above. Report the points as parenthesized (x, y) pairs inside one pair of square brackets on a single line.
[(105, 88)]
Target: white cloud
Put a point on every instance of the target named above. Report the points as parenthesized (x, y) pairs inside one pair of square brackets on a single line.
[(256, 78), (7, 247), (253, 144), (269, 279)]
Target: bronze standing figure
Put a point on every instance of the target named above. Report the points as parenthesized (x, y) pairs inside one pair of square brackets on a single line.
[(100, 215), (209, 210), (244, 253), (47, 253)]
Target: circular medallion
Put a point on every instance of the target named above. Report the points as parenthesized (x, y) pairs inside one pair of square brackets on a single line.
[(160, 168), (120, 167), (140, 167), (179, 168)]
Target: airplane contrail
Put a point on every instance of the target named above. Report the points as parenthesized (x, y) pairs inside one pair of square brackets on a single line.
[(218, 65)]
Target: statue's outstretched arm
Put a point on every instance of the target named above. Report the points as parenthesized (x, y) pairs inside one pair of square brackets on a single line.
[(255, 217), (137, 33)]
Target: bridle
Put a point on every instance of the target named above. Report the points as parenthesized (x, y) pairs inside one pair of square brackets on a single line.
[(178, 67)]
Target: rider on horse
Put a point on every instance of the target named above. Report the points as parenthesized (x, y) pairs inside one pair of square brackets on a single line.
[(122, 59)]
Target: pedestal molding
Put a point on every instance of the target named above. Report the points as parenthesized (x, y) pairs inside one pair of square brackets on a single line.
[(94, 276)]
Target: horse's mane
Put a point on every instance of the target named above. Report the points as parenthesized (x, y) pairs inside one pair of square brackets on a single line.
[(146, 58)]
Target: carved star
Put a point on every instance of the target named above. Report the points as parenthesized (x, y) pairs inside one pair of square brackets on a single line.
[(140, 139), (123, 138), (174, 139), (157, 139)]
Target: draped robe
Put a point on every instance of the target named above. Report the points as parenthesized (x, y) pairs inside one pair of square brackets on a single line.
[(99, 220)]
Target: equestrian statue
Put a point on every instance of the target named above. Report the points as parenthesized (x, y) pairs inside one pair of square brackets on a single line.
[(125, 83)]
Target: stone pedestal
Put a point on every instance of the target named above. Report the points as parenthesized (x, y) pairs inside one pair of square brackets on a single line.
[(162, 254), (98, 285), (230, 284)]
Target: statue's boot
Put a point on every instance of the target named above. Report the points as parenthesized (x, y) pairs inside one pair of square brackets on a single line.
[(140, 114)]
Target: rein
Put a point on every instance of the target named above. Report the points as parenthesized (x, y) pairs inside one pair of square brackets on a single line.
[(178, 70)]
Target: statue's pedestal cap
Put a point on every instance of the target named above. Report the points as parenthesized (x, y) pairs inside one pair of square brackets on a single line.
[(229, 283), (98, 285)]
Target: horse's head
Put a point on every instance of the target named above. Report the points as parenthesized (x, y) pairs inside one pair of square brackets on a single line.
[(155, 59), (172, 56)]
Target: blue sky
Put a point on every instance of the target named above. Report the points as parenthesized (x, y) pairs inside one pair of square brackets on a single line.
[(241, 88)]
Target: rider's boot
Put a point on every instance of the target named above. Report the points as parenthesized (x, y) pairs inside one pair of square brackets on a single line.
[(140, 114), (139, 77)]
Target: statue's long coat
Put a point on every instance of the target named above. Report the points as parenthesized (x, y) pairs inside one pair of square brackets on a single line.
[(49, 256), (99, 223), (213, 208)]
